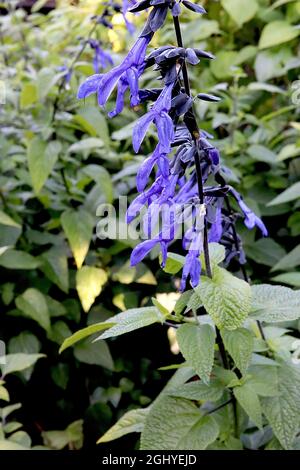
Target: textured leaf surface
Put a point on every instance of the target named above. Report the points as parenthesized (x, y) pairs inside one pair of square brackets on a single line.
[(196, 343), (249, 401), (175, 423), (199, 391), (133, 319), (83, 333), (132, 421), (275, 303), (239, 344), (226, 298), (283, 410)]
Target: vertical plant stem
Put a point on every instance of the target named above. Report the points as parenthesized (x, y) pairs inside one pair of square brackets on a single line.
[(192, 125), (242, 267)]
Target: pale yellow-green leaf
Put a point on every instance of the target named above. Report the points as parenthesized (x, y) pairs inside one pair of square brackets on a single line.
[(78, 226), (33, 304), (89, 283)]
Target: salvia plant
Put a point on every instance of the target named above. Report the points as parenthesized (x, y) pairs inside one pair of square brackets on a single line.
[(239, 386)]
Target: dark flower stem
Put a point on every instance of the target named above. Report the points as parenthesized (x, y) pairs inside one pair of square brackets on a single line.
[(242, 267), (191, 123)]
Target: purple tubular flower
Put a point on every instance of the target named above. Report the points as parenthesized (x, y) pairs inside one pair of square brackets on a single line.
[(122, 88), (194, 7), (251, 219), (176, 9), (159, 115), (130, 70), (215, 233), (90, 86), (159, 158), (141, 250), (132, 62), (192, 268)]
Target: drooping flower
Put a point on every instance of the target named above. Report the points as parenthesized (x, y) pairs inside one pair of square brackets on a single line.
[(102, 59), (129, 70), (159, 115), (251, 219)]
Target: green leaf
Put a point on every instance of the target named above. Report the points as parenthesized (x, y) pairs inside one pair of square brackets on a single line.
[(101, 176), (263, 380), (249, 401), (290, 194), (277, 32), (96, 120), (73, 434), (196, 343), (78, 227), (199, 391), (132, 421), (174, 263), (9, 445), (289, 261), (239, 344), (7, 220), (131, 320), (216, 254), (94, 353), (177, 424), (18, 362), (240, 11), (55, 267), (16, 259), (283, 411), (41, 160), (265, 251), (226, 298), (89, 283), (83, 333), (88, 144), (292, 279), (288, 151), (275, 303), (33, 304), (29, 95)]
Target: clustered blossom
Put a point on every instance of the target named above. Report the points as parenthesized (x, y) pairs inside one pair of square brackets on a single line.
[(175, 197)]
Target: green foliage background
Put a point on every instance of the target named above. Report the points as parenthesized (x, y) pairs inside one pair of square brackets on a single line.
[(61, 158)]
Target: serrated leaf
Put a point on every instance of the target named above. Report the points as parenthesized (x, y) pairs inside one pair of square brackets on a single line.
[(249, 401), (283, 411), (133, 319), (83, 333), (196, 343), (197, 390), (182, 302), (18, 362), (226, 298), (240, 11), (33, 304), (132, 421), (177, 424), (275, 303), (263, 380), (239, 344), (41, 159), (78, 227), (89, 283)]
